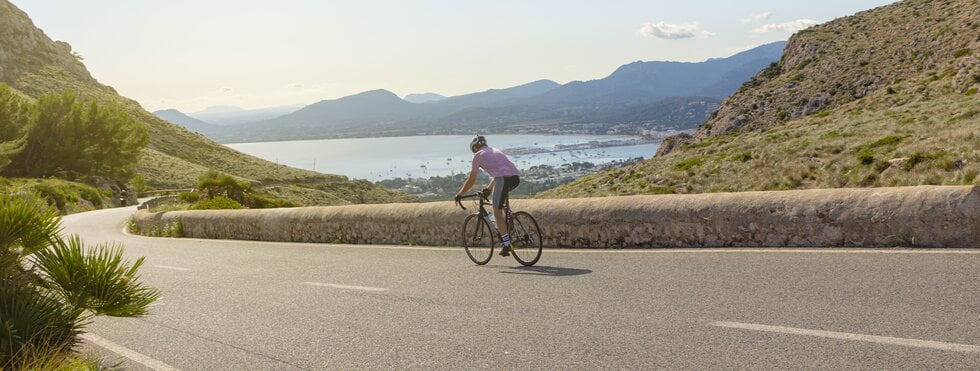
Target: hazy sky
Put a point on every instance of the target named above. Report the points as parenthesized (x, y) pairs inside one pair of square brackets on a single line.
[(191, 54)]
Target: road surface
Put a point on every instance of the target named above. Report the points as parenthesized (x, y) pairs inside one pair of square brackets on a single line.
[(256, 305)]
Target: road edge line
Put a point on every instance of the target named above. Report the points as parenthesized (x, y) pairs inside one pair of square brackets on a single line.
[(128, 353), (939, 345)]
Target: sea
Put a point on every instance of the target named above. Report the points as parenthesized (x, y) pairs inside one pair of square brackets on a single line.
[(376, 159)]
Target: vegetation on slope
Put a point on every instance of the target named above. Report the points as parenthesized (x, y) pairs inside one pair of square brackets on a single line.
[(67, 197), (887, 97), (33, 65), (918, 143)]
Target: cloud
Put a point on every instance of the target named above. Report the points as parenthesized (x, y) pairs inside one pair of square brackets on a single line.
[(764, 16), (670, 31), (791, 26)]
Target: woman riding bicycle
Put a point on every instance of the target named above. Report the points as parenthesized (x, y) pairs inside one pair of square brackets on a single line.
[(504, 177)]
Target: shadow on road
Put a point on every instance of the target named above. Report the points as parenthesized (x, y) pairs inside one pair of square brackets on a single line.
[(540, 270)]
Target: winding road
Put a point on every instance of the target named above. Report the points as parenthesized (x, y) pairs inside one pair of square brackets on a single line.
[(238, 305)]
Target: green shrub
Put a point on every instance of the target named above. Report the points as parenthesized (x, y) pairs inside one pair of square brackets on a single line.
[(215, 184), (189, 197), (866, 157), (92, 195), (689, 163), (55, 196), (969, 176), (218, 203), (132, 226), (263, 202), (918, 158), (885, 141), (138, 184)]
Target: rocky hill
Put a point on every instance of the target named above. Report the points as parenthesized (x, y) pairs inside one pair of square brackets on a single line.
[(33, 64), (893, 48), (885, 97)]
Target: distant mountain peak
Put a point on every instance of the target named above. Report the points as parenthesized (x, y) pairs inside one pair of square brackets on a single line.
[(174, 116), (218, 110), (424, 97), (376, 94)]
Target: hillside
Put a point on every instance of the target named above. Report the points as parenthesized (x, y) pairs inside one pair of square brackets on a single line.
[(32, 64), (886, 97), (634, 96)]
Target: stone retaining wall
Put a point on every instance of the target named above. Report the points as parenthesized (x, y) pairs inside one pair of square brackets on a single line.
[(926, 216)]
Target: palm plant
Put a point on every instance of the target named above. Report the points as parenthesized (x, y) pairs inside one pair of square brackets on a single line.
[(27, 225), (52, 286)]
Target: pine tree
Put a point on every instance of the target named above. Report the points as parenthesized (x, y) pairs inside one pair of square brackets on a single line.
[(14, 115), (69, 138)]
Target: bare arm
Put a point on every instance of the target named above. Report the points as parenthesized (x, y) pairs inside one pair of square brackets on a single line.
[(468, 184)]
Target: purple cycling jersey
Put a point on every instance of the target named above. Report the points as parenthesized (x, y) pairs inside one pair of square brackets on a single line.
[(494, 162)]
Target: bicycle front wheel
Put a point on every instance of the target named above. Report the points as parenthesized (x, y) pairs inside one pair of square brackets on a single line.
[(478, 239), (525, 239)]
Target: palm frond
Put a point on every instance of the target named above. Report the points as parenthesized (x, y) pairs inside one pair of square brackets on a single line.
[(97, 280), (33, 324), (27, 225)]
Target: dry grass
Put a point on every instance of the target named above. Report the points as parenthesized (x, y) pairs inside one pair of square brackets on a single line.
[(935, 141)]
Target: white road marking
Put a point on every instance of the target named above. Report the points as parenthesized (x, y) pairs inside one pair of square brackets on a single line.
[(855, 337), (128, 353), (345, 287), (172, 268)]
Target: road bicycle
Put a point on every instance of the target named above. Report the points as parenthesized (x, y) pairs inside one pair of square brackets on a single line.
[(480, 233)]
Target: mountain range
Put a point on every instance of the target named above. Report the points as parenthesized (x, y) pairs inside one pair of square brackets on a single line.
[(646, 95), (231, 115)]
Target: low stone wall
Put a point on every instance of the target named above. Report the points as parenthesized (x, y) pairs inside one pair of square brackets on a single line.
[(926, 216)]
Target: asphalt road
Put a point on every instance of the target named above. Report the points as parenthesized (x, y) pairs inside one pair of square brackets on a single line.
[(250, 305)]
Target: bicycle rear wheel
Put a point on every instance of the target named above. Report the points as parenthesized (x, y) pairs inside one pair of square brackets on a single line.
[(478, 239), (525, 239)]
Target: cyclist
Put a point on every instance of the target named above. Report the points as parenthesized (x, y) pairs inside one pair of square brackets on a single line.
[(504, 177)]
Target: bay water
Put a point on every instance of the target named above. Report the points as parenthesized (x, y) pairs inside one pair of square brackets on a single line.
[(377, 159)]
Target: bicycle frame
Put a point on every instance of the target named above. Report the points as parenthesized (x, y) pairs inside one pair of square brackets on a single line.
[(526, 235), (483, 203)]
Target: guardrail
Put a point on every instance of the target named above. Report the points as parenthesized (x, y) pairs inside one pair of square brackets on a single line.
[(923, 216), (165, 192), (155, 202)]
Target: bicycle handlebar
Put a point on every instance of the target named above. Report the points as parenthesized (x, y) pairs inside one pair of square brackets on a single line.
[(478, 194)]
